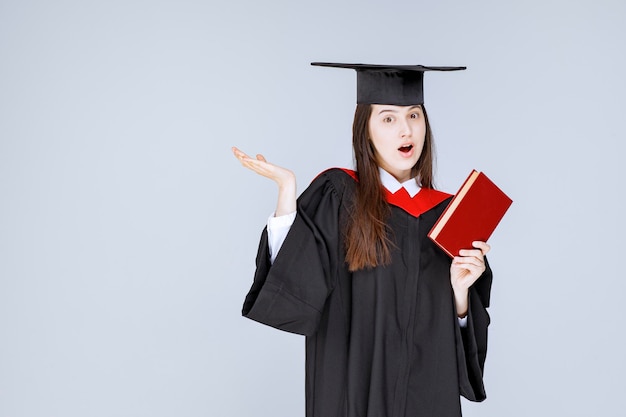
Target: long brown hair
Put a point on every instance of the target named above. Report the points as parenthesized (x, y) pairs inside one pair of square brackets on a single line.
[(366, 236)]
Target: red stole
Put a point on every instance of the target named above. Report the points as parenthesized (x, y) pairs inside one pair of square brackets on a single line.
[(423, 201)]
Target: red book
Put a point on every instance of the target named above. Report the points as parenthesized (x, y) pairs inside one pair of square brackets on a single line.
[(473, 214)]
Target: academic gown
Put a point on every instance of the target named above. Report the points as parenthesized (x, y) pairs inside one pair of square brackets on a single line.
[(380, 342)]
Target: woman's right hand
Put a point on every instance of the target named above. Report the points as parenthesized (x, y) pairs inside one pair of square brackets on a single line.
[(285, 179), (281, 176)]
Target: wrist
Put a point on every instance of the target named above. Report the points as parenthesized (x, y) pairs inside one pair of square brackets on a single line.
[(286, 182), (460, 293), (286, 197), (461, 301)]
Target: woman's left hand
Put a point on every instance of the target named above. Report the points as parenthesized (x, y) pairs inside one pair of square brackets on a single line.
[(465, 270), (467, 267)]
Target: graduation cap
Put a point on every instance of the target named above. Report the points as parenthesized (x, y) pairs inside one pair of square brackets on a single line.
[(401, 85)]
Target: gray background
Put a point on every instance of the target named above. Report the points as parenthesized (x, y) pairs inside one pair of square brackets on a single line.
[(128, 231)]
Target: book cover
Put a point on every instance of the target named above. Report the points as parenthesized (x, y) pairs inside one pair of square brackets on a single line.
[(473, 214)]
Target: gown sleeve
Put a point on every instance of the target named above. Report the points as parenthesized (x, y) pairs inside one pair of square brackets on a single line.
[(471, 341), (289, 294), (277, 229)]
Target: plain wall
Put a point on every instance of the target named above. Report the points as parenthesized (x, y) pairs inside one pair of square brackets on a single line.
[(128, 231)]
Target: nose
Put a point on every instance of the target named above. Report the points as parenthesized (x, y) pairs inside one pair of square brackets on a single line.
[(405, 129)]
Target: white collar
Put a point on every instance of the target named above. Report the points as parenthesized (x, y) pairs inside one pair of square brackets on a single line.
[(393, 185)]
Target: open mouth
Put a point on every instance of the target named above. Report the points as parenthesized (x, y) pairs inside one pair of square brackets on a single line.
[(406, 148)]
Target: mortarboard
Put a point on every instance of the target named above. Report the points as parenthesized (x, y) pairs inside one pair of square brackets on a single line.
[(400, 85)]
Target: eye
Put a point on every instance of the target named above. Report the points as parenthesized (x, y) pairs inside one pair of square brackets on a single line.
[(415, 115), (388, 119)]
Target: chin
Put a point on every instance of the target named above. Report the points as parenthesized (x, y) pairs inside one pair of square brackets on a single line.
[(407, 166)]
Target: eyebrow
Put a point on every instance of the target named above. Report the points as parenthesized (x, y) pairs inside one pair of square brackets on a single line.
[(417, 106)]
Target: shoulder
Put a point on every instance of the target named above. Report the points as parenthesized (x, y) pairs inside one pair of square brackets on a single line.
[(333, 182), (338, 174), (339, 178)]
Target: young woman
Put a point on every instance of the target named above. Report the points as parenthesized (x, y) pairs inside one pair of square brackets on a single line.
[(394, 326)]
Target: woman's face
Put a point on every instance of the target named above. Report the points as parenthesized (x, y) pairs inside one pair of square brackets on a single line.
[(397, 133)]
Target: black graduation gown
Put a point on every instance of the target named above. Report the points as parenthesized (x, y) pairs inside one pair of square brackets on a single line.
[(381, 342)]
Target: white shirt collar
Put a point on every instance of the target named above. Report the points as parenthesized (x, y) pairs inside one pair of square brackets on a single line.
[(393, 185)]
